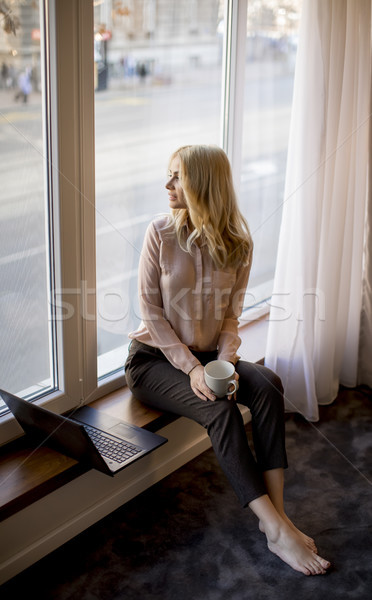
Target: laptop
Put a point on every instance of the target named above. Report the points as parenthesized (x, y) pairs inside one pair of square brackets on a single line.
[(87, 435)]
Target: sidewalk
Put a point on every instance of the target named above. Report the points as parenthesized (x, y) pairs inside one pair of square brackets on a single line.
[(8, 103)]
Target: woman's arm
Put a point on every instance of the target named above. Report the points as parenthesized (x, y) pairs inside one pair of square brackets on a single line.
[(162, 334)]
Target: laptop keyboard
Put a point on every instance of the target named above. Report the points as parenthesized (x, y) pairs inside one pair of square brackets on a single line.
[(111, 447)]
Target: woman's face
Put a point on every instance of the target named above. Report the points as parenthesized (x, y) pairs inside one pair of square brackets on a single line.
[(173, 185)]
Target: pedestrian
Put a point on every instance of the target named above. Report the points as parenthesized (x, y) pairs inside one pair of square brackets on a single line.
[(25, 86), (193, 272), (4, 75)]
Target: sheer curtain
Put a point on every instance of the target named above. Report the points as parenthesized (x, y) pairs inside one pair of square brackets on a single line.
[(314, 328)]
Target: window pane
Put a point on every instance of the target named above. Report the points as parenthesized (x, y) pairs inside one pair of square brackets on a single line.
[(158, 86), (26, 350), (270, 61)]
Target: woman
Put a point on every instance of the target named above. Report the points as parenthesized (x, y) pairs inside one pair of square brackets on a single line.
[(193, 273)]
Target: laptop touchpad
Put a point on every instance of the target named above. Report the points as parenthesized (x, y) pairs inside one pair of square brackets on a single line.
[(124, 432)]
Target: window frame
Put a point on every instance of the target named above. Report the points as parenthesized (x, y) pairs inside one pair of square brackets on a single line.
[(75, 218), (69, 129), (235, 34)]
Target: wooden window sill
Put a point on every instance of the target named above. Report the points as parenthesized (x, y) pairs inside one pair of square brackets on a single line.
[(27, 474)]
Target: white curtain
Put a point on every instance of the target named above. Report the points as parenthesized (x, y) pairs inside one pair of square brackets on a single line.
[(314, 328)]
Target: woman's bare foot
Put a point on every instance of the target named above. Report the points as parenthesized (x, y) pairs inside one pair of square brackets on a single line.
[(274, 481), (288, 545), (309, 542), (285, 541)]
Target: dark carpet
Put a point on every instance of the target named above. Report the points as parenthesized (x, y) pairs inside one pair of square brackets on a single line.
[(187, 537)]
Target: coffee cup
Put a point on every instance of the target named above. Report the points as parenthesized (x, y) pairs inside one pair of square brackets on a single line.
[(219, 375)]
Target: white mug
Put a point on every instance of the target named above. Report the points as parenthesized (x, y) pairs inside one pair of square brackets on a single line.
[(219, 377)]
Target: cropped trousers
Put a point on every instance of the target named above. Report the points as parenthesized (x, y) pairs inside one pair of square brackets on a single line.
[(157, 383)]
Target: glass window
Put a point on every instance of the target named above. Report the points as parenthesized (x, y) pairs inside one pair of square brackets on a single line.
[(27, 357), (272, 35), (158, 86)]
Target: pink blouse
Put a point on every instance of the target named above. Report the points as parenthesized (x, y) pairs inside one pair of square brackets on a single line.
[(185, 302)]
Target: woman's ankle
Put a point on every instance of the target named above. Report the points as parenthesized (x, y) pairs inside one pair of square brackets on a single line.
[(271, 523)]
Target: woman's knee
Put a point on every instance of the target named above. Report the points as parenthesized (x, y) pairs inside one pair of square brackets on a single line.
[(273, 381), (256, 378), (271, 396), (260, 389)]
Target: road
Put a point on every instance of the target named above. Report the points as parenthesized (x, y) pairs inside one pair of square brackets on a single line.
[(137, 128)]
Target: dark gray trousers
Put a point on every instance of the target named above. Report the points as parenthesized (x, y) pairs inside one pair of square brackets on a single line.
[(154, 381)]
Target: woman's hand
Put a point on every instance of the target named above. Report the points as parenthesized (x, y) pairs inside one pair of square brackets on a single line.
[(198, 385), (233, 396)]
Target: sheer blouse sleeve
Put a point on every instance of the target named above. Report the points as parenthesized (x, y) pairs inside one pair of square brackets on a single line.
[(162, 334)]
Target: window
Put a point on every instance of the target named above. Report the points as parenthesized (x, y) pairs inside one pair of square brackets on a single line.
[(85, 148), (158, 86), (271, 44), (27, 351)]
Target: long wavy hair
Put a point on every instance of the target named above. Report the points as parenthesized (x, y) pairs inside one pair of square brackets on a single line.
[(212, 214)]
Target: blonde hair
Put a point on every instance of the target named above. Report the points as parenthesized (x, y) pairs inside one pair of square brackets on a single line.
[(212, 208)]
